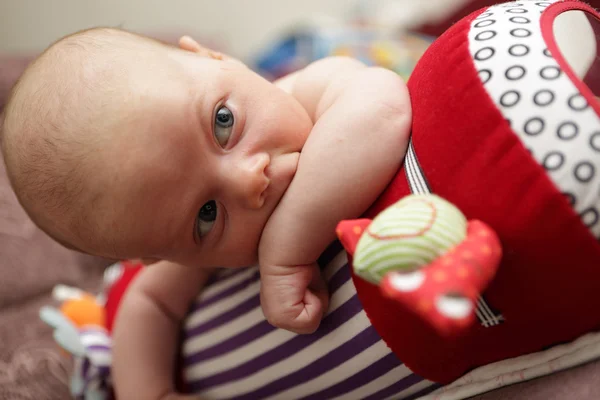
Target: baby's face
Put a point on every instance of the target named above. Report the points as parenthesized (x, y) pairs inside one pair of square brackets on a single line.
[(203, 166)]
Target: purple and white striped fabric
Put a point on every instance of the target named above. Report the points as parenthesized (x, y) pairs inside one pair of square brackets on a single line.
[(231, 352), (91, 376)]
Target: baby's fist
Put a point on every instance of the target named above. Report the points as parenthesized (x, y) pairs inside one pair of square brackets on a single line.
[(293, 298)]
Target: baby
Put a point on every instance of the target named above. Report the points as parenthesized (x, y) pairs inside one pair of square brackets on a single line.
[(123, 147)]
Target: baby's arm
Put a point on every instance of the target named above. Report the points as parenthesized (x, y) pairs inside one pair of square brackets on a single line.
[(362, 122), (147, 327)]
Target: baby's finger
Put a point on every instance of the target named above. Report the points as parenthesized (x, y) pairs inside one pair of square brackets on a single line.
[(318, 288)]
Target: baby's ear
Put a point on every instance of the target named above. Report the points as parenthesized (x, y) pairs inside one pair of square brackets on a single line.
[(188, 44)]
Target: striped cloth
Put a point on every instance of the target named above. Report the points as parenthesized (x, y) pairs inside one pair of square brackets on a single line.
[(91, 377), (231, 352)]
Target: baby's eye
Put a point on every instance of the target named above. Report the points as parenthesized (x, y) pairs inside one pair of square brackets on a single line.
[(206, 218), (223, 125)]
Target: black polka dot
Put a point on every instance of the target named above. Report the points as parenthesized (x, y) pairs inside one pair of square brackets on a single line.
[(514, 73), (485, 35), (577, 102), (543, 3), (484, 15), (547, 53), (484, 54), (510, 98), (590, 217), (543, 97), (584, 171), (570, 198), (550, 73), (508, 121), (516, 11), (595, 141), (518, 50), (534, 126), (519, 20), (553, 160), (484, 23), (567, 130), (520, 32), (485, 75)]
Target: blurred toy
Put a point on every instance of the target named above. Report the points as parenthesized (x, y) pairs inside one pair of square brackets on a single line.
[(424, 254), (310, 42), (81, 328)]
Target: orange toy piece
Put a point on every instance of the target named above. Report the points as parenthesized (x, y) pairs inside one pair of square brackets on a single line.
[(84, 311)]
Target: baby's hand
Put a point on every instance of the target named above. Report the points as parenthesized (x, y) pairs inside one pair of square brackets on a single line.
[(294, 298)]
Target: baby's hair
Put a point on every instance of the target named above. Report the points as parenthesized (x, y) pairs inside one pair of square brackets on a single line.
[(50, 133)]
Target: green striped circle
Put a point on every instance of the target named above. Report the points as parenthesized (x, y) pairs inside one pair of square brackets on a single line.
[(409, 234)]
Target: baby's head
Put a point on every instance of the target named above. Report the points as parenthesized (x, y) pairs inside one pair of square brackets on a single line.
[(124, 147)]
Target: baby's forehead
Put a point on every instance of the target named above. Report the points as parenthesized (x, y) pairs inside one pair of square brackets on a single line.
[(107, 50)]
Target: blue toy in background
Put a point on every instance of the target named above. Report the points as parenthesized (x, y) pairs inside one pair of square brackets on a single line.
[(398, 52)]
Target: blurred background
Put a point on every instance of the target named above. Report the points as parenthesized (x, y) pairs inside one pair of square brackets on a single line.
[(245, 27), (271, 36)]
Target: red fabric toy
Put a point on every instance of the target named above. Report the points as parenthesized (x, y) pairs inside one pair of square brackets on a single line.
[(507, 129), (117, 288)]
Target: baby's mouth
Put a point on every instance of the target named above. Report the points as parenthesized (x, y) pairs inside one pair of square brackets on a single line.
[(264, 192), (281, 170)]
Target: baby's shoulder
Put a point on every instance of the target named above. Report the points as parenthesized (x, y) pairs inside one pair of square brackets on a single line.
[(322, 77)]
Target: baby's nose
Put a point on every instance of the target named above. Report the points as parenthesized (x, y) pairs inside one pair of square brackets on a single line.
[(250, 181)]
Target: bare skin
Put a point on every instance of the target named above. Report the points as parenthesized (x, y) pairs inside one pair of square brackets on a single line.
[(234, 170), (362, 118), (293, 295)]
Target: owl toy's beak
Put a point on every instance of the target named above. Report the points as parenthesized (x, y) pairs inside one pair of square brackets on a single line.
[(350, 231)]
